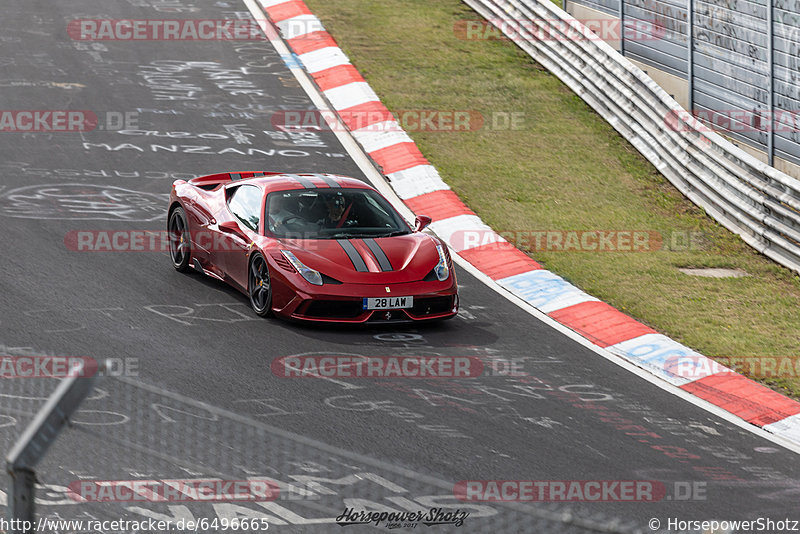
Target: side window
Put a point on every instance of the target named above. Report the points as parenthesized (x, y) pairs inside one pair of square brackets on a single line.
[(245, 204)]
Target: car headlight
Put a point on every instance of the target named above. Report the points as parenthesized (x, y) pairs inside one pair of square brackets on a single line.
[(311, 276), (441, 269)]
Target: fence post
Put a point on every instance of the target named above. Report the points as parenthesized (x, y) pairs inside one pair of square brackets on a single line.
[(20, 504), (771, 83), (622, 27), (37, 438), (690, 54)]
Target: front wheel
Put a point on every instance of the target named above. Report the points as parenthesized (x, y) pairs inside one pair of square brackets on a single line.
[(180, 248), (258, 286)]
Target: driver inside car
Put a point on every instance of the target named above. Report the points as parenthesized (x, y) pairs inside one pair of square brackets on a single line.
[(339, 213)]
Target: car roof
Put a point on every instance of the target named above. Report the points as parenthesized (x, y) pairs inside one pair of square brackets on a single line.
[(291, 181)]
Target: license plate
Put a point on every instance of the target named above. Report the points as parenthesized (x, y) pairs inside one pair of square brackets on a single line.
[(387, 303)]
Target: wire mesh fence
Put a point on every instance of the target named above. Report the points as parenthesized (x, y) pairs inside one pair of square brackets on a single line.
[(136, 455)]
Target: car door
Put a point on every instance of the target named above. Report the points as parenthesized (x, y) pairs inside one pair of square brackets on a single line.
[(236, 234), (199, 218)]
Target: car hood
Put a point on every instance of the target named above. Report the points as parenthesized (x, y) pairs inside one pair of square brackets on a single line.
[(398, 259)]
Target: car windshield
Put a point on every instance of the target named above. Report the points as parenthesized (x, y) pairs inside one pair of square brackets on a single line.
[(332, 214)]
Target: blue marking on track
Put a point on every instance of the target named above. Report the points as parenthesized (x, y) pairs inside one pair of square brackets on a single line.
[(291, 61), (541, 287)]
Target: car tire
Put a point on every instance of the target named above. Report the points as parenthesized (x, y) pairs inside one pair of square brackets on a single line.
[(259, 287), (180, 241)]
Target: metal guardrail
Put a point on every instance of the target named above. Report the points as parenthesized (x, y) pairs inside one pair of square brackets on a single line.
[(738, 59), (748, 197)]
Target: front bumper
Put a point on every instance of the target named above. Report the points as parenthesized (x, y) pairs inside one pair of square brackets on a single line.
[(344, 303)]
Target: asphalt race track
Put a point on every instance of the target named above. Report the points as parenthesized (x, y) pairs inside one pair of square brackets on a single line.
[(199, 399)]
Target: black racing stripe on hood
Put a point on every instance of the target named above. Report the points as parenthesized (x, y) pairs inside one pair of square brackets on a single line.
[(379, 254), (355, 257)]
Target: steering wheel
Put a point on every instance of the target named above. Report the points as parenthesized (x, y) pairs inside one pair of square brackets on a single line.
[(293, 217)]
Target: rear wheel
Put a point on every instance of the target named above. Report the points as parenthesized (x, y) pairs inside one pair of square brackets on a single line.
[(180, 247), (259, 287)]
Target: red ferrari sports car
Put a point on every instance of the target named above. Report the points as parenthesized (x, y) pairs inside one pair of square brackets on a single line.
[(315, 247)]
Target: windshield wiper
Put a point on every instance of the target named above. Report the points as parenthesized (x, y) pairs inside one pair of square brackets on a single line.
[(351, 235), (395, 233), (345, 235)]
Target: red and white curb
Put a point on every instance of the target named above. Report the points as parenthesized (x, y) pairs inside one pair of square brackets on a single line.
[(419, 185)]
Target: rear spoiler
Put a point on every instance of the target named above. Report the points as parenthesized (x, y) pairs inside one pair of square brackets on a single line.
[(225, 177)]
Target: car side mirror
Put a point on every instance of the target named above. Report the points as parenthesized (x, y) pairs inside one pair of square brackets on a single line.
[(422, 222)]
